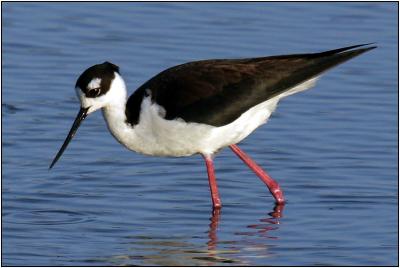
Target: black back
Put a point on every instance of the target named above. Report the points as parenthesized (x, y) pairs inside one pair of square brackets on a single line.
[(216, 92)]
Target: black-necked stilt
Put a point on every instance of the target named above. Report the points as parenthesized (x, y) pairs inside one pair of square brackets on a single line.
[(200, 107)]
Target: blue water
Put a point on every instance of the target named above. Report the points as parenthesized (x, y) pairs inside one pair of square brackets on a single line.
[(333, 149)]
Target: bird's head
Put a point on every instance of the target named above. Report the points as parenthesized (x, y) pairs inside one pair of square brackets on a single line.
[(97, 87), (96, 84)]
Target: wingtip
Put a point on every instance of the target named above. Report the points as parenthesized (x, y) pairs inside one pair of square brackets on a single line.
[(354, 51), (374, 45), (366, 44), (366, 47), (363, 48), (360, 47)]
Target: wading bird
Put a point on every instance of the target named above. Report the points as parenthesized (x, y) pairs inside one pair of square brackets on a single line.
[(201, 107)]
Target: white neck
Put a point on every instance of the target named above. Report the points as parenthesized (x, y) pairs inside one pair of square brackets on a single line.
[(114, 110)]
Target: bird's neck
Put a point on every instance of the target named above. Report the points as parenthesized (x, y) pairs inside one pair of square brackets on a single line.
[(114, 111), (114, 114)]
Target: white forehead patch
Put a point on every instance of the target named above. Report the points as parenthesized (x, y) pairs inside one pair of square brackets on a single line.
[(95, 83)]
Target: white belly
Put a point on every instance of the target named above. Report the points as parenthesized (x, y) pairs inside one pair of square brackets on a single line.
[(177, 138), (156, 136)]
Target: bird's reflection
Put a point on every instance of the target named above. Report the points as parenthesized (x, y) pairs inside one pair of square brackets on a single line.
[(147, 249), (212, 233), (267, 224), (262, 229)]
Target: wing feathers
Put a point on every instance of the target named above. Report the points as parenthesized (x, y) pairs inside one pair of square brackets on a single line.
[(216, 92)]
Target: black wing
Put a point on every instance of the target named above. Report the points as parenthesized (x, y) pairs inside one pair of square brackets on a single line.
[(216, 92)]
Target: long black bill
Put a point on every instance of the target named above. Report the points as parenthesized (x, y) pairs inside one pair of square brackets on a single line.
[(79, 118)]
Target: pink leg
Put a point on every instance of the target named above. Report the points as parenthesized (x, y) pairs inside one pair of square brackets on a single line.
[(213, 182), (272, 185)]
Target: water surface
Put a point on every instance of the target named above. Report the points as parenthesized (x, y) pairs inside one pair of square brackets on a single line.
[(333, 149)]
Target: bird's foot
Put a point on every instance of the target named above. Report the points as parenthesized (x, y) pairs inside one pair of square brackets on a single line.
[(278, 195), (217, 205)]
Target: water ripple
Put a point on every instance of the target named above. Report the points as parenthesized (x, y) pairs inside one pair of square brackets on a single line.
[(333, 149)]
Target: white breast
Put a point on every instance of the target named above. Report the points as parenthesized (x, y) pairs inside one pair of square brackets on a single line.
[(156, 136)]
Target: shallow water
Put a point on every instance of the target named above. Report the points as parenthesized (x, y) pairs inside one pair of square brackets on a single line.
[(333, 149)]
